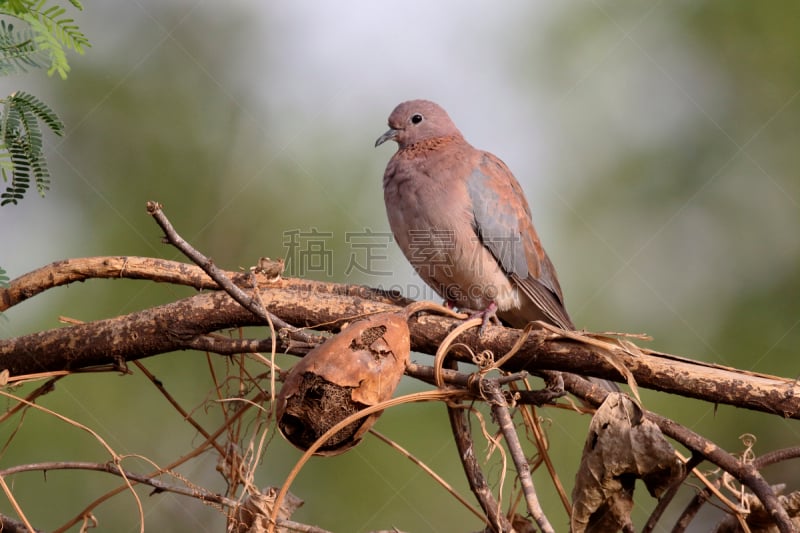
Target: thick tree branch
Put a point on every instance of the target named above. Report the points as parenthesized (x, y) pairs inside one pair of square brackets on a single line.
[(110, 267), (185, 324)]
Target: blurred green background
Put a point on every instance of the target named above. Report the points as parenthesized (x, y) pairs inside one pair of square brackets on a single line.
[(657, 144)]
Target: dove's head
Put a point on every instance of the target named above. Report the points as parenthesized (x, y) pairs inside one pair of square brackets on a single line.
[(417, 120)]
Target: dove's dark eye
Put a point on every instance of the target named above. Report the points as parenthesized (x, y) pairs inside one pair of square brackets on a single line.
[(416, 118)]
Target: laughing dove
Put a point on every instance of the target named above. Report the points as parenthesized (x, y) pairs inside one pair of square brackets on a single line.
[(461, 219)]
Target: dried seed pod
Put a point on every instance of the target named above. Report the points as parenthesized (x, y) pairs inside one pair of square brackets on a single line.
[(358, 368)]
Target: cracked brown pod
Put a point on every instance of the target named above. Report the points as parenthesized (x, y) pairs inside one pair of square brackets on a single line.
[(357, 368)]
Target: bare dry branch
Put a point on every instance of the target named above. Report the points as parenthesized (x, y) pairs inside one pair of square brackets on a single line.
[(295, 307), (459, 423), (111, 468), (186, 324), (503, 417)]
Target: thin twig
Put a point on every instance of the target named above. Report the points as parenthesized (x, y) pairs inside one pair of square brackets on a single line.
[(459, 423), (691, 510), (41, 390), (542, 444), (666, 498), (250, 303), (503, 417), (112, 468)]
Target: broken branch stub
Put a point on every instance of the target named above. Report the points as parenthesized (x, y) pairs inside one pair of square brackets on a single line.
[(359, 367)]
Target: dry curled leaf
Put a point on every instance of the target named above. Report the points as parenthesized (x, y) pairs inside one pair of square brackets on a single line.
[(621, 446), (358, 368)]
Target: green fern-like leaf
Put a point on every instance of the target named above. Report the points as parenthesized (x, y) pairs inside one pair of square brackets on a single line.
[(18, 52), (64, 28), (21, 145), (48, 44), (53, 33), (9, 122), (42, 111), (20, 179), (43, 43), (15, 7)]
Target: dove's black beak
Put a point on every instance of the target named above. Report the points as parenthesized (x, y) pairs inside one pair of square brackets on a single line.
[(388, 136)]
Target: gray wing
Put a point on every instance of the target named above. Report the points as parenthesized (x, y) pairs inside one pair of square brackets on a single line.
[(503, 222)]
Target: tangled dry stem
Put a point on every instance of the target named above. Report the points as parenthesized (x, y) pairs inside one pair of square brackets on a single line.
[(240, 442)]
